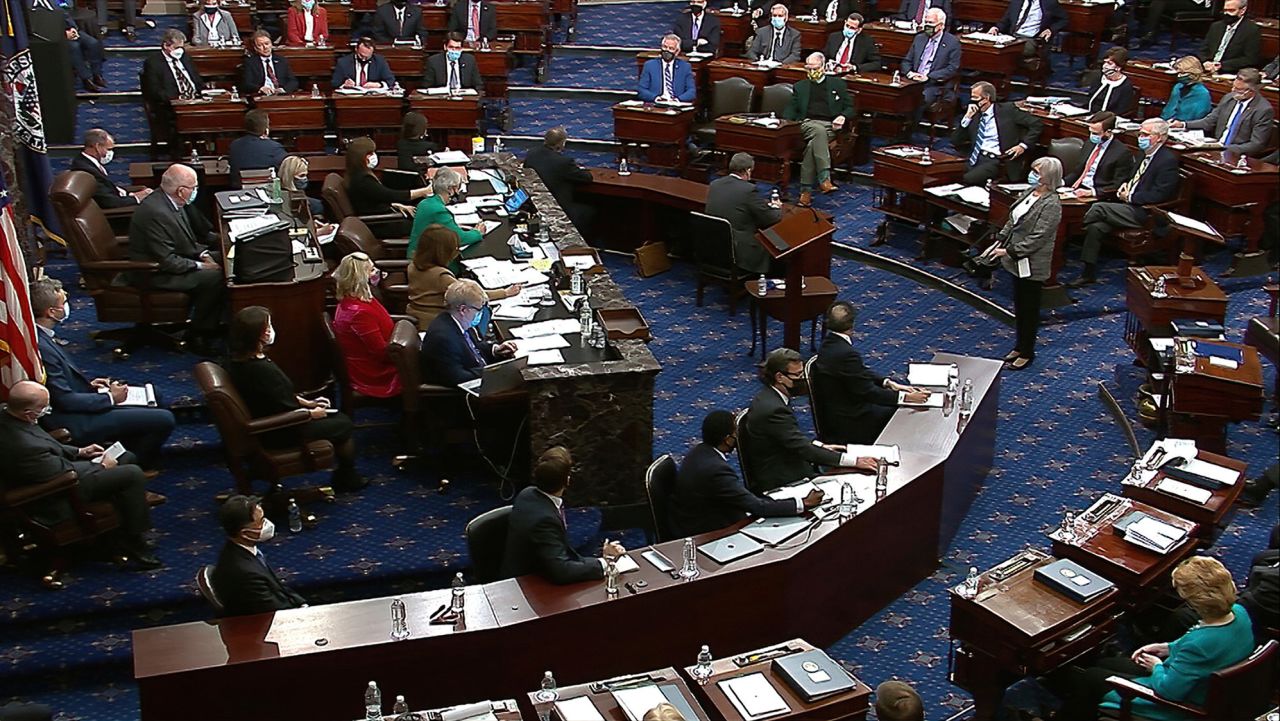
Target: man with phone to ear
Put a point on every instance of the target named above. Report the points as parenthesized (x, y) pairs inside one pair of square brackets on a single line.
[(992, 134)]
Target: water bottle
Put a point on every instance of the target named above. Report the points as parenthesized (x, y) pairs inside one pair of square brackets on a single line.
[(845, 509), (611, 577), (235, 94), (882, 478), (928, 156), (689, 568), (622, 167), (702, 669), (497, 145), (459, 599), (547, 692), (195, 153), (949, 400), (484, 44), (399, 620), (295, 515), (373, 702), (320, 42), (315, 91), (577, 284), (598, 338), (775, 198), (417, 42), (813, 15), (762, 286), (1243, 163), (969, 588), (400, 709), (966, 398), (897, 77), (773, 117), (396, 89), (584, 322), (1067, 531)]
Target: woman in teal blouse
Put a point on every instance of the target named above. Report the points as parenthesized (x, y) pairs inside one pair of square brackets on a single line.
[(1189, 98), (431, 210)]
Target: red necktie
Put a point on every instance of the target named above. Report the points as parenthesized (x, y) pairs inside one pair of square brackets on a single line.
[(359, 74), (271, 72), (920, 12), (1088, 164), (475, 19), (848, 50)]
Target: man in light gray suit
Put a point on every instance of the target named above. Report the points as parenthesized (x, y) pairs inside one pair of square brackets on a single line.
[(1241, 122), (776, 41), (735, 199)]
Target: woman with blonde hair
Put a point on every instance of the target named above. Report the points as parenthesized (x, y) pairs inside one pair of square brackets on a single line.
[(663, 712), (363, 328), (1189, 98), (306, 23), (294, 174)]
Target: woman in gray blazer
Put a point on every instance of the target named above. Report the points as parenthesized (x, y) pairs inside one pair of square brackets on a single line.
[(211, 23), (1025, 248)]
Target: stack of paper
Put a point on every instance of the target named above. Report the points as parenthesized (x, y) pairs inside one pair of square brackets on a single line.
[(579, 708), (929, 374), (482, 711), (1154, 534), (636, 702), (585, 262), (1067, 110), (1191, 493), (450, 157), (889, 454), (990, 37), (526, 346), (558, 326), (445, 91), (906, 152), (1186, 222), (753, 696), (943, 190), (1212, 471), (630, 104)]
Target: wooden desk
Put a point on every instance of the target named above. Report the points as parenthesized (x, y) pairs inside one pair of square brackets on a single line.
[(1086, 23), (1234, 200), (357, 115), (1208, 515), (453, 121), (816, 296), (209, 122), (1017, 626), (1270, 36), (814, 33), (893, 43), (606, 704), (1157, 83), (735, 28), (665, 130), (312, 65), (217, 63), (875, 93), (900, 182), (1205, 397), (851, 704), (529, 21), (774, 149), (997, 62), (1053, 294), (299, 119), (1149, 317)]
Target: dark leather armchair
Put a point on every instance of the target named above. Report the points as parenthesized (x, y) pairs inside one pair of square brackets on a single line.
[(389, 256), (659, 478), (334, 194), (487, 542), (714, 255), (429, 410), (813, 397), (775, 98), (728, 96), (101, 256), (1241, 692), (27, 530)]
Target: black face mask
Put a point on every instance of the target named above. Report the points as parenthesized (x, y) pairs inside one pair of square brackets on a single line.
[(399, 3), (695, 9), (668, 56), (211, 10)]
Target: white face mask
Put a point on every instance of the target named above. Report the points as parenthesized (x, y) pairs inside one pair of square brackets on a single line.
[(268, 531), (176, 53), (110, 155), (271, 335), (372, 162), (66, 312)]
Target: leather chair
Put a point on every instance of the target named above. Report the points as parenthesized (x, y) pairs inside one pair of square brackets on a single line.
[(487, 543), (204, 582), (439, 409), (1137, 242), (813, 397), (334, 194), (103, 262), (1117, 414), (775, 98), (389, 256), (659, 478), (351, 400), (1241, 692), (1068, 151), (247, 458), (25, 529), (728, 97), (744, 450), (714, 255), (1193, 22)]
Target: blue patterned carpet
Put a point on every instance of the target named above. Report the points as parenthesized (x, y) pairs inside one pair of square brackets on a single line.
[(1056, 446)]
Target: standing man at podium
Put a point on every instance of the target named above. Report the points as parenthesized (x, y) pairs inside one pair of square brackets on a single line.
[(822, 106), (264, 72), (735, 199), (363, 68)]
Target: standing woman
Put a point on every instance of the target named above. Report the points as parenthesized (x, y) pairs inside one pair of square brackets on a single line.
[(369, 196), (1025, 249), (307, 22), (363, 328), (266, 390)]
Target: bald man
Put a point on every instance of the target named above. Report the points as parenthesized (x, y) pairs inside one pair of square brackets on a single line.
[(168, 230), (33, 456)]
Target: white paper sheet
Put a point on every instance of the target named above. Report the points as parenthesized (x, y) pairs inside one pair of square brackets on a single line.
[(542, 357), (579, 708), (928, 374), (636, 702), (542, 342), (1221, 474), (754, 696), (559, 326)]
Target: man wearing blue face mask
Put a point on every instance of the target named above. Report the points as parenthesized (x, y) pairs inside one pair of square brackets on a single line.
[(852, 49), (1154, 181), (453, 68), (454, 350), (777, 42), (1106, 163)]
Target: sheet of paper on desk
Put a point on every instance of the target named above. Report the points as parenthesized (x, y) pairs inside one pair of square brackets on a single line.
[(1192, 137), (579, 261), (941, 190), (928, 374), (1187, 222), (698, 56), (1154, 534), (798, 490), (1199, 467), (768, 63), (1067, 110), (933, 401), (627, 564), (1195, 494), (1160, 345), (467, 220), (990, 37), (907, 152), (631, 103), (636, 702), (1016, 187), (579, 708), (1223, 363), (975, 194), (450, 157), (753, 696), (443, 90), (523, 313), (891, 454), (904, 25), (767, 122), (556, 326), (1046, 99), (541, 357), (481, 711), (349, 91), (464, 208), (479, 262), (541, 342), (570, 300)]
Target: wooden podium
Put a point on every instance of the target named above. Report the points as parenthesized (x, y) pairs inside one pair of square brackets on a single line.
[(802, 239)]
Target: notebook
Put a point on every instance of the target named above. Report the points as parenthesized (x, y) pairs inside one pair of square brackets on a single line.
[(813, 674)]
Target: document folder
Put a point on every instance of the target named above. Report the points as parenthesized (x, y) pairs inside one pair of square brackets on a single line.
[(772, 531), (1072, 580), (813, 674), (730, 548)]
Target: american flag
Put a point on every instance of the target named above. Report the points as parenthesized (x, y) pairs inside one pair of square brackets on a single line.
[(19, 359)]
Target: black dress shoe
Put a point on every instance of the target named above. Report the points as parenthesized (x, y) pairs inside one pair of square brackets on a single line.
[(130, 33), (91, 86), (146, 562), (349, 482), (100, 81), (1081, 282)]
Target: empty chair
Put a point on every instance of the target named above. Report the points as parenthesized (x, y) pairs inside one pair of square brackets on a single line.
[(659, 478), (729, 96), (486, 542), (775, 98), (714, 255)]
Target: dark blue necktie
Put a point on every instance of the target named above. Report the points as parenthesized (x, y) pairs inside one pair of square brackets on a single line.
[(475, 352)]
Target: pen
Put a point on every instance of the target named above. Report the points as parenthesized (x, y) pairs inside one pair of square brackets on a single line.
[(435, 614)]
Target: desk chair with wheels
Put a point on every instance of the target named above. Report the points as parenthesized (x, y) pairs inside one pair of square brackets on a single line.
[(1242, 692), (1117, 414), (659, 478), (26, 529), (714, 255), (1068, 151), (487, 542)]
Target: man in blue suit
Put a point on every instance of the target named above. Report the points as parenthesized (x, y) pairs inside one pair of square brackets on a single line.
[(452, 351), (84, 50), (265, 72), (934, 59), (254, 150), (668, 78), (363, 68), (79, 403)]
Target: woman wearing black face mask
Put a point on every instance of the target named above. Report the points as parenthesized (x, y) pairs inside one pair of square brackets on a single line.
[(293, 174), (1189, 99)]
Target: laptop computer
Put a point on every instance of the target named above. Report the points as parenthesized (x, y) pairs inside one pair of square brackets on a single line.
[(497, 378), (772, 531), (730, 548)]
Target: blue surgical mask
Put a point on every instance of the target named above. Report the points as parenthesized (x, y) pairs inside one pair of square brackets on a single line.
[(1095, 139), (453, 55), (300, 183), (192, 198), (847, 32), (1033, 179), (778, 23), (475, 320), (1144, 142)]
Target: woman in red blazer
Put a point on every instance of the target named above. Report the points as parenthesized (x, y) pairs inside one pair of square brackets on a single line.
[(296, 24), (363, 328)]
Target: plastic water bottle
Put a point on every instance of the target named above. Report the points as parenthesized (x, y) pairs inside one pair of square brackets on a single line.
[(611, 578), (882, 478), (775, 198), (949, 400), (400, 708), (195, 153), (315, 91), (969, 588), (622, 167), (373, 702), (547, 691), (702, 669), (484, 44), (966, 398), (399, 620), (417, 42), (762, 286), (295, 515), (773, 117), (927, 159), (897, 77), (458, 601), (396, 89), (577, 284), (845, 509), (497, 145), (235, 94), (584, 322), (689, 568), (274, 190)]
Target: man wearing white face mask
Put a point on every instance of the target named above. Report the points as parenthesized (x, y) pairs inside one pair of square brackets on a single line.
[(99, 150), (243, 581)]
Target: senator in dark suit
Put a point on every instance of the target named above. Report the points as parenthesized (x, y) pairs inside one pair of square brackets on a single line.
[(914, 10), (99, 149), (933, 58), (781, 45), (698, 30), (452, 351), (991, 133), (561, 174), (1104, 164), (1242, 48), (167, 230), (852, 48), (32, 456), (734, 198), (462, 20), (254, 150), (708, 495), (397, 20), (1241, 121), (264, 71), (452, 66), (167, 74), (1032, 18), (242, 580), (363, 68), (537, 542)]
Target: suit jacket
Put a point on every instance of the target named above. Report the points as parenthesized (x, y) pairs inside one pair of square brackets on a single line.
[(737, 201), (157, 234), (837, 95), (910, 8), (946, 61), (1159, 184), (1052, 16), (407, 149), (251, 152), (558, 172), (682, 86), (108, 194), (708, 29), (70, 391), (537, 543), (864, 57), (446, 359), (1032, 236), (296, 25), (708, 496), (1013, 126), (225, 25), (460, 17), (848, 390), (777, 452), (1253, 130), (377, 72), (1114, 167), (437, 73), (157, 81), (386, 29), (789, 52), (31, 455), (255, 76), (1122, 101), (246, 585), (842, 8), (1242, 51)]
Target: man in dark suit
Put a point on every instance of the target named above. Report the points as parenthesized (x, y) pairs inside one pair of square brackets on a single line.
[(698, 30), (856, 403), (473, 20), (255, 150), (778, 41), (363, 68), (1232, 43), (32, 456), (265, 72), (708, 495), (1036, 22), (452, 352), (536, 539), (170, 73), (84, 49), (1106, 164), (397, 20), (914, 10), (735, 199), (992, 133), (1154, 181), (90, 408), (99, 150), (821, 103), (777, 453), (933, 59), (453, 68), (851, 49), (242, 580), (1242, 120), (560, 174), (168, 230)]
